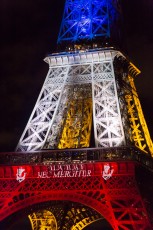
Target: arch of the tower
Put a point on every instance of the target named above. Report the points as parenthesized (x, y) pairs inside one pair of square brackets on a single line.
[(49, 208), (90, 199)]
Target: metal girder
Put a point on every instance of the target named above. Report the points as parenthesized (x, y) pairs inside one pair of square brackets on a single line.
[(135, 127), (89, 19), (107, 119), (41, 119), (140, 130)]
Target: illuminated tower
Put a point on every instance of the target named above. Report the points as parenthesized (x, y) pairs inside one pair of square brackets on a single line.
[(88, 100), (90, 84)]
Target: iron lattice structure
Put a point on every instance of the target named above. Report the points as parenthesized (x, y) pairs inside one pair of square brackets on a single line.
[(80, 87), (85, 20), (109, 197), (88, 98)]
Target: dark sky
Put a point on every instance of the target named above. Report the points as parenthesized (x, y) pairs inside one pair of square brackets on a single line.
[(29, 31)]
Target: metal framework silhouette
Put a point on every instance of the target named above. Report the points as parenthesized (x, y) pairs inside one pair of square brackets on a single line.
[(88, 99)]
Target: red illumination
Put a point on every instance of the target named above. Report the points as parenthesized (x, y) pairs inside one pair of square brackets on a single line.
[(65, 170), (116, 197)]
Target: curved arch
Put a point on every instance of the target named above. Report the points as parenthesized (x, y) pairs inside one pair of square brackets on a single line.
[(72, 196)]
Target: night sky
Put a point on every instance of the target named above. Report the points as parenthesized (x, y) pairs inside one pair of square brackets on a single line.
[(29, 31)]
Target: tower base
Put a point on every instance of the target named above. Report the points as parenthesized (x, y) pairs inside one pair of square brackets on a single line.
[(108, 187)]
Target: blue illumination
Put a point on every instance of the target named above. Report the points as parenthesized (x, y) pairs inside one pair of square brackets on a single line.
[(88, 19)]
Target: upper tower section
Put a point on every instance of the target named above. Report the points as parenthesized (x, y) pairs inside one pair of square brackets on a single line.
[(95, 23)]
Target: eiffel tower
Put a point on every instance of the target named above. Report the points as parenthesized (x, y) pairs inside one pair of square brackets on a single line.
[(74, 165)]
